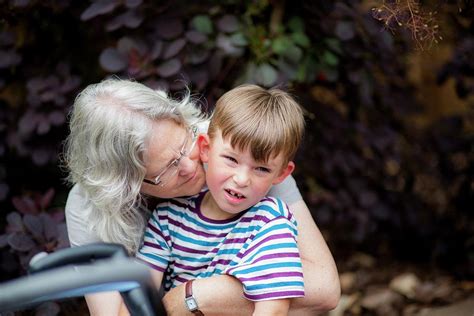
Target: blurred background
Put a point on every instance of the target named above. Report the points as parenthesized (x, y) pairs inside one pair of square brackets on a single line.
[(388, 89)]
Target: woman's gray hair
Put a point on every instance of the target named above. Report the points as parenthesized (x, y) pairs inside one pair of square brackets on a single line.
[(110, 125)]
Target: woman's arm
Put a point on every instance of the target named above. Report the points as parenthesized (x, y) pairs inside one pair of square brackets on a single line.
[(321, 280), (272, 307), (104, 304), (223, 295)]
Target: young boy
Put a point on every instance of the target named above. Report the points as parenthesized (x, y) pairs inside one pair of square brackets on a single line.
[(233, 228)]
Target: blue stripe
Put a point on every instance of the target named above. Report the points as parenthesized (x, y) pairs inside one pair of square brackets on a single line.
[(152, 239), (269, 230), (155, 258), (193, 220), (181, 237), (271, 247), (268, 266), (274, 285)]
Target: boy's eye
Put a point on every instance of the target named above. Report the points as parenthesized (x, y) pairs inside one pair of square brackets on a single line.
[(231, 159), (263, 169)]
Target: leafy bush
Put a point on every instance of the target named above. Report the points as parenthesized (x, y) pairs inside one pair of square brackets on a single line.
[(34, 227), (365, 170)]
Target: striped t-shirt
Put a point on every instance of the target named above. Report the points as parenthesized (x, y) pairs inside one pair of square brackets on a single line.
[(257, 246)]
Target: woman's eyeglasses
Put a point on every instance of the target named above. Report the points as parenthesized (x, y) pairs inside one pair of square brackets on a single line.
[(170, 170)]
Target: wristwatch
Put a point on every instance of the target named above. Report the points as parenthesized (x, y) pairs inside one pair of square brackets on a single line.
[(190, 301)]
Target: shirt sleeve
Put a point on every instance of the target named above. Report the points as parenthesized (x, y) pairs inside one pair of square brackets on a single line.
[(77, 210), (286, 191), (156, 250), (270, 267)]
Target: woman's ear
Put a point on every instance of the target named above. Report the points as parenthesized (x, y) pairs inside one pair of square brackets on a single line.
[(203, 143), (285, 172)]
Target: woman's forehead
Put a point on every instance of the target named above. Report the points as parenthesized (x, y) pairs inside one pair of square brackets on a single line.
[(164, 142)]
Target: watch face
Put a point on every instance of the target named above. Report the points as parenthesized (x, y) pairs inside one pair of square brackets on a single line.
[(191, 304)]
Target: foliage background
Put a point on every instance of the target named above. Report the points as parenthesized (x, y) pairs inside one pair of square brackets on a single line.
[(387, 163)]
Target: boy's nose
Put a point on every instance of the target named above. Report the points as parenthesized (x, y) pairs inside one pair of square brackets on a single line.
[(241, 178)]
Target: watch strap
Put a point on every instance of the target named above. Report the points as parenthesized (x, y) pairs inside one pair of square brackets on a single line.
[(189, 294)]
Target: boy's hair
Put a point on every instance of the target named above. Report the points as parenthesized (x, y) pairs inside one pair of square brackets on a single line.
[(268, 122)]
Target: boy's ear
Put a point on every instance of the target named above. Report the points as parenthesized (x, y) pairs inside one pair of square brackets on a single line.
[(203, 143), (285, 172)]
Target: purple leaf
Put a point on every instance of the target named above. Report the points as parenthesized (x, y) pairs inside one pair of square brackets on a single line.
[(112, 61), (15, 222), (20, 3), (57, 214), (40, 157), (169, 28), (173, 48), (196, 37), (131, 19), (7, 38), (228, 24), (34, 225), (56, 118), (35, 85), (48, 309), (46, 199), (3, 240), (225, 44), (44, 125), (63, 239), (132, 3), (70, 84), (169, 68), (157, 84), (345, 30), (48, 96), (25, 205), (4, 189), (126, 44), (60, 100), (20, 242), (98, 8), (9, 59), (215, 66), (50, 229), (198, 56), (177, 85), (156, 50), (199, 77)]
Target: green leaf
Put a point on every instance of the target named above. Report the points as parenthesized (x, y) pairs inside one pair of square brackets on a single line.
[(300, 39), (330, 59), (334, 44), (239, 39), (296, 24), (281, 44), (202, 23), (293, 53), (266, 75)]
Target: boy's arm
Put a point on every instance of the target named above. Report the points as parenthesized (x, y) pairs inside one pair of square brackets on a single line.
[(272, 308)]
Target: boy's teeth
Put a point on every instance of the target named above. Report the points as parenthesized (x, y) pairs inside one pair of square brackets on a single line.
[(235, 194)]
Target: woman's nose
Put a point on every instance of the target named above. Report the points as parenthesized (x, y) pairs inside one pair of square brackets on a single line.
[(187, 166)]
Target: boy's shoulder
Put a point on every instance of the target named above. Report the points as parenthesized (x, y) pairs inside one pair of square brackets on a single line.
[(178, 203), (272, 207)]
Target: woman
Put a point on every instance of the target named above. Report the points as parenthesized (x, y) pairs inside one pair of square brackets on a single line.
[(118, 153)]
